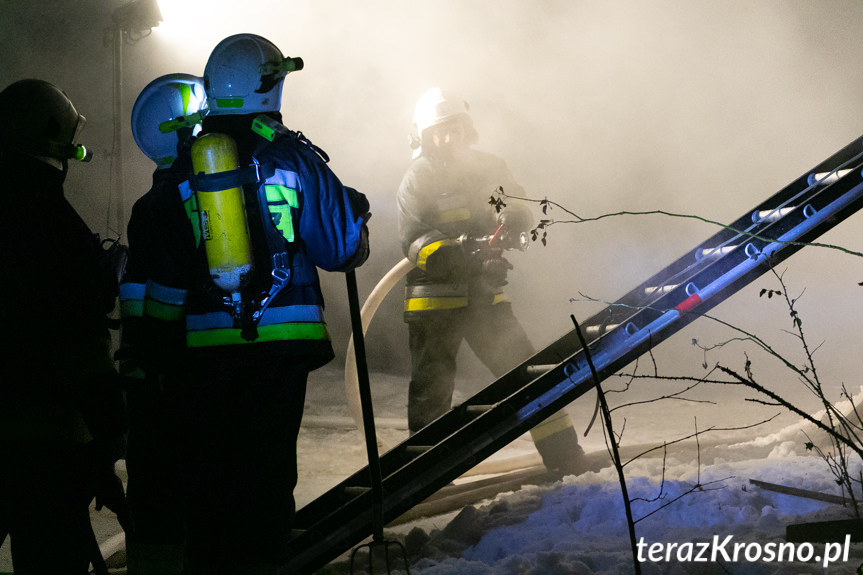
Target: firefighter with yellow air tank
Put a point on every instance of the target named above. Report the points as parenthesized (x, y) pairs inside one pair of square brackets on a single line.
[(456, 240), (229, 262)]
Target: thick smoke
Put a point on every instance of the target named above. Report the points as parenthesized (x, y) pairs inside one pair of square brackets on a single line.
[(691, 107)]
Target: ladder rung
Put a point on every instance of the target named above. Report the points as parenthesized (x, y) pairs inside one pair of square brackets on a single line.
[(714, 252), (776, 215), (660, 290), (690, 289), (477, 409), (598, 330), (825, 178), (352, 491), (770, 215), (539, 369)]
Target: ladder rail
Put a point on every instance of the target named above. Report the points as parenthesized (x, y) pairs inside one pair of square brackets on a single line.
[(799, 191)]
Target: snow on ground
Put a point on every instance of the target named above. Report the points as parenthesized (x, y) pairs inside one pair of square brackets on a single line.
[(577, 525)]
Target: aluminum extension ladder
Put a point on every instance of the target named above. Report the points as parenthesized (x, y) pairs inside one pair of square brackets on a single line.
[(558, 374)]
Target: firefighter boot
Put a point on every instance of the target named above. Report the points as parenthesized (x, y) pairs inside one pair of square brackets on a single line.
[(557, 442)]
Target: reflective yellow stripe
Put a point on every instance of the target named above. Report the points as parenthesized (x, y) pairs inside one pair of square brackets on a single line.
[(164, 311), (280, 200), (277, 332), (432, 303), (190, 205), (498, 298), (164, 303), (427, 303), (558, 422), (132, 299), (428, 250), (131, 308)]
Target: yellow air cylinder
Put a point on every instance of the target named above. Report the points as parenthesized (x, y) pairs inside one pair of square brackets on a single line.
[(224, 227)]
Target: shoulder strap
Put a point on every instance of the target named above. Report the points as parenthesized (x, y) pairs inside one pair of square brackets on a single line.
[(254, 173)]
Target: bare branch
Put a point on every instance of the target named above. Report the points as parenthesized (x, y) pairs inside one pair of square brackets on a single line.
[(547, 223)]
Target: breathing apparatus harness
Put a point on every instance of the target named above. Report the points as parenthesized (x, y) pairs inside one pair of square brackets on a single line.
[(247, 312)]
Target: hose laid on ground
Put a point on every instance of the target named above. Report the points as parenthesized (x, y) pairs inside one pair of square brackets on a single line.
[(370, 307)]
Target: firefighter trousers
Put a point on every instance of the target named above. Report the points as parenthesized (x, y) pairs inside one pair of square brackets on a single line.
[(45, 493), (237, 418), (500, 342), (493, 334)]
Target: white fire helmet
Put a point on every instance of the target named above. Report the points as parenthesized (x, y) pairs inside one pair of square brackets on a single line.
[(168, 97), (435, 107), (244, 75)]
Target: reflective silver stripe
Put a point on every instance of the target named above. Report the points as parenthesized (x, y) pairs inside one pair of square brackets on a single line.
[(284, 178), (131, 290), (436, 290), (165, 294)]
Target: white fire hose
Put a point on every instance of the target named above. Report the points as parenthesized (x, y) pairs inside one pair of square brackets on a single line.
[(370, 307)]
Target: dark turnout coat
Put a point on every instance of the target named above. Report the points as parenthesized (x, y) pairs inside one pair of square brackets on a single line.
[(439, 203)]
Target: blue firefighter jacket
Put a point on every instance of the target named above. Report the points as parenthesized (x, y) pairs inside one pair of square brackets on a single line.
[(300, 218)]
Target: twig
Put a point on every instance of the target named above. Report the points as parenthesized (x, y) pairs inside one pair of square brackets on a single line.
[(606, 414), (547, 223)]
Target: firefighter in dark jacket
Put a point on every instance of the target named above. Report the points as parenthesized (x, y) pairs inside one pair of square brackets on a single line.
[(152, 457), (62, 420), (230, 294), (456, 239)]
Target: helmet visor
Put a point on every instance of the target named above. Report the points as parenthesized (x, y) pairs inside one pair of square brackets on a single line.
[(79, 127)]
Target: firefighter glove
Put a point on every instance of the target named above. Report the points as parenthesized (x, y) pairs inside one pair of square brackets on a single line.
[(447, 263), (494, 270)]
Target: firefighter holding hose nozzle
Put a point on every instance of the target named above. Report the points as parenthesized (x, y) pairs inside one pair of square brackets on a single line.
[(456, 239)]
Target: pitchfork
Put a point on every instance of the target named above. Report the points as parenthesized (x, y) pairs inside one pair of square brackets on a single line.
[(375, 478)]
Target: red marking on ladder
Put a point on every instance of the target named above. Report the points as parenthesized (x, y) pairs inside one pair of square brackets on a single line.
[(689, 303)]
